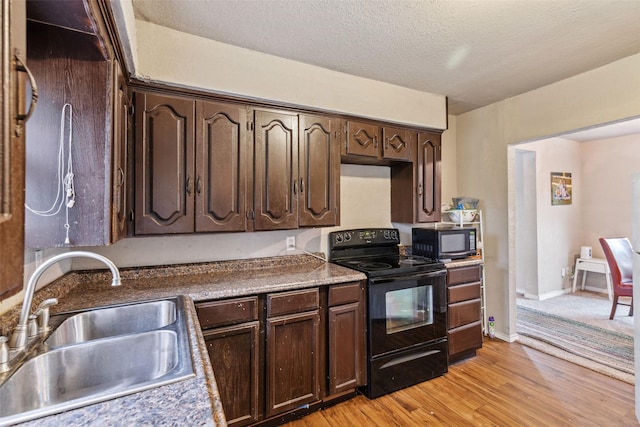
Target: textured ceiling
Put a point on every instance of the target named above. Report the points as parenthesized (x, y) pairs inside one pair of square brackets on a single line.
[(475, 52)]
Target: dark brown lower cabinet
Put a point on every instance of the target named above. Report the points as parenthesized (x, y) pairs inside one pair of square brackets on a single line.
[(274, 354), (292, 361), (464, 311), (346, 317), (231, 332), (235, 352)]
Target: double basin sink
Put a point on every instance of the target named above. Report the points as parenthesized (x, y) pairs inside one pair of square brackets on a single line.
[(96, 355)]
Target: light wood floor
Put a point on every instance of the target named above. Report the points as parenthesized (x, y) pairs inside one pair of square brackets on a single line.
[(505, 385)]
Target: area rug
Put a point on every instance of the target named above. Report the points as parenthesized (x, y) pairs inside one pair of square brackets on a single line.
[(605, 351), (587, 307)]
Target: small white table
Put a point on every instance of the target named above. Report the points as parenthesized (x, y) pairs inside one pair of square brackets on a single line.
[(594, 265)]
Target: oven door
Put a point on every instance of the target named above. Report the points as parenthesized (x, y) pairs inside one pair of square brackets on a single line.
[(407, 310)]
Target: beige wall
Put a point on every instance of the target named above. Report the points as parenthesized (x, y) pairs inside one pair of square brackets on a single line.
[(558, 228), (607, 172), (449, 186), (599, 96), (170, 56), (365, 201)]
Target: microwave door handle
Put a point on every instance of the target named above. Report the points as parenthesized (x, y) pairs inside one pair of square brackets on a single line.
[(458, 253)]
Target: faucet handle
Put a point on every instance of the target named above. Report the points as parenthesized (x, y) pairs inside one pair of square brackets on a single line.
[(4, 351), (32, 326), (42, 312)]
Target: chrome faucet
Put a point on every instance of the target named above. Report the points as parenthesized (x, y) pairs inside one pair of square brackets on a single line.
[(19, 337)]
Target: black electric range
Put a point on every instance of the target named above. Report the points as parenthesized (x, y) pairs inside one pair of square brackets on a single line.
[(406, 308), (376, 253)]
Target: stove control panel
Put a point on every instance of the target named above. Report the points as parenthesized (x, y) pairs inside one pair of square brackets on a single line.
[(364, 237)]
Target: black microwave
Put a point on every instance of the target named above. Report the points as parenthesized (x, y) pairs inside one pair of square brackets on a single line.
[(444, 243)]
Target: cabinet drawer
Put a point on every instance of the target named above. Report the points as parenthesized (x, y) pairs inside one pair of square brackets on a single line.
[(466, 337), (344, 294), (463, 292), (213, 314), (292, 302), (466, 274), (464, 312)]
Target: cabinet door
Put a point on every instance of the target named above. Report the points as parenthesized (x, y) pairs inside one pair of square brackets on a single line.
[(276, 170), (119, 183), (293, 361), (319, 188), (346, 320), (398, 144), (362, 139), (428, 176), (346, 349), (164, 164), (221, 167), (234, 355), (12, 152)]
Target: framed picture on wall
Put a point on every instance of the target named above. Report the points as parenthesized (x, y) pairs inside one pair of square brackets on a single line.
[(561, 188)]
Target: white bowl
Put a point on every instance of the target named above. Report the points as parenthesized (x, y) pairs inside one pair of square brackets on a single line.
[(468, 215)]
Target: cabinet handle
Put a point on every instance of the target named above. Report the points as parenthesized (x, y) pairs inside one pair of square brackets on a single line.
[(21, 119), (419, 189), (198, 185), (120, 177), (188, 186), (295, 187), (301, 185)]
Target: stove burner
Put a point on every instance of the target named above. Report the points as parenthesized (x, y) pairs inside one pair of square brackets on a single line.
[(372, 265)]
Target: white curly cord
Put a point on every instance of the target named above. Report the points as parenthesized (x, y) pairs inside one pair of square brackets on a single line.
[(65, 190)]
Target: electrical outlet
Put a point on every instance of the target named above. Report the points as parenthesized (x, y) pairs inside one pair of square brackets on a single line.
[(291, 243), (38, 255)]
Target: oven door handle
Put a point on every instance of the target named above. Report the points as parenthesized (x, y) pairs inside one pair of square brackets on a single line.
[(416, 276)]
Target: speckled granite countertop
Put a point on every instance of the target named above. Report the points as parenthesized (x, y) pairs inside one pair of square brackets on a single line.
[(194, 401)]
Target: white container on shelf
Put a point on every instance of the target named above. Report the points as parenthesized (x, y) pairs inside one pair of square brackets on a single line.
[(462, 215)]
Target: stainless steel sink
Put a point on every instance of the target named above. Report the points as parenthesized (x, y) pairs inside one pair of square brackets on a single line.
[(98, 361), (113, 321)]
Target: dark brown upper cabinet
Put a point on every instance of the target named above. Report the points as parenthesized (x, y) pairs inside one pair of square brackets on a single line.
[(223, 160), (276, 170), (362, 140), (398, 144), (297, 170), (370, 143), (428, 177), (319, 150), (191, 165), (164, 150), (12, 149), (120, 172), (198, 169), (75, 66), (415, 187)]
